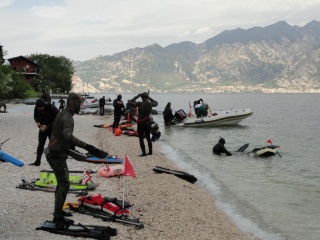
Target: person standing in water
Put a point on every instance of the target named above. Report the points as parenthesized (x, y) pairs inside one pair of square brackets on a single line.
[(220, 148)]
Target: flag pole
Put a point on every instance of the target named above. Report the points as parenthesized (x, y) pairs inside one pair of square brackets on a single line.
[(124, 190)]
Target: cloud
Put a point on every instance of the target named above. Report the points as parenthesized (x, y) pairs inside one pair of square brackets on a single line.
[(83, 29), (203, 31), (5, 3), (48, 11)]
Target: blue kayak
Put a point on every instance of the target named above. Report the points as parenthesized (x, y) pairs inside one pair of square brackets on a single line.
[(8, 158)]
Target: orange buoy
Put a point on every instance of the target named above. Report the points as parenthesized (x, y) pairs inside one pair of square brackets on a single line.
[(110, 171), (117, 132)]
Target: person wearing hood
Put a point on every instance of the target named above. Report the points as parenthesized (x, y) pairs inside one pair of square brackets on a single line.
[(62, 104), (220, 148), (44, 115), (118, 106), (102, 102), (61, 140), (167, 114), (144, 125), (45, 96)]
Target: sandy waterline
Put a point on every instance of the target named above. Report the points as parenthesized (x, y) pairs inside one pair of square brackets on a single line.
[(169, 207)]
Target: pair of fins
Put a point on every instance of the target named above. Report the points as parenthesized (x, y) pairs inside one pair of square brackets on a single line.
[(80, 230)]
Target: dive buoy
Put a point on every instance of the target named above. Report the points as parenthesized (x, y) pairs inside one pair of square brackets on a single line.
[(117, 132), (110, 171)]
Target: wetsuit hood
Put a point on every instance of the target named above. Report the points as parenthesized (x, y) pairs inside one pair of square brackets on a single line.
[(144, 95), (74, 102), (40, 102), (221, 140)]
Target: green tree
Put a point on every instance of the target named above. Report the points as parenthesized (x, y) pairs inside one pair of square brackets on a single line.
[(12, 84), (56, 71)]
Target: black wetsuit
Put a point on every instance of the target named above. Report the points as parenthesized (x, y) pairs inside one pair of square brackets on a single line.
[(144, 126), (45, 117), (167, 115), (102, 102), (118, 105), (61, 141), (62, 104), (219, 148)]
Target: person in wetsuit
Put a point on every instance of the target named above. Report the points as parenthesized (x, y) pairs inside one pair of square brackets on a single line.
[(62, 139), (167, 114), (118, 105), (220, 148), (45, 96), (144, 126), (102, 102), (62, 104), (44, 115), (155, 132)]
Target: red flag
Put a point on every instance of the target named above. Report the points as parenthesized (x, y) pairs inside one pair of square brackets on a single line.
[(85, 177), (269, 141), (128, 168)]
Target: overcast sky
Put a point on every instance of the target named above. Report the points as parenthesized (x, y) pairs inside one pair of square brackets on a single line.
[(82, 29)]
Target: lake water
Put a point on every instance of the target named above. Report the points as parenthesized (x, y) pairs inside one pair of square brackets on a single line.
[(273, 198)]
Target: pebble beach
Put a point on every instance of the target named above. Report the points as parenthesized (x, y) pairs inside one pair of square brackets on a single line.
[(169, 207)]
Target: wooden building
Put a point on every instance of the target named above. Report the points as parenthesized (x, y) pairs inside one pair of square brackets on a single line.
[(25, 66)]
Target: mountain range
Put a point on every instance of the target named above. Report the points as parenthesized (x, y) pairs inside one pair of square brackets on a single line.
[(275, 58)]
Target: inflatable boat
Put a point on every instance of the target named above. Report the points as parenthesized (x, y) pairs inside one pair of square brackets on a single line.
[(218, 118), (265, 151)]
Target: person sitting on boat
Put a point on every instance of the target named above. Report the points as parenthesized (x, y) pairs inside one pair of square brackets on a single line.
[(220, 148), (199, 108), (167, 114)]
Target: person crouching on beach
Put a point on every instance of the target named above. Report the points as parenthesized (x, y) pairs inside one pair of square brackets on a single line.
[(44, 115), (62, 139), (144, 126)]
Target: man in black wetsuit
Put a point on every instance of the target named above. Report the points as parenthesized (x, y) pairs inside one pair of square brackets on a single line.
[(144, 126), (118, 105), (45, 96), (62, 104), (102, 102), (61, 141), (219, 148), (44, 115)]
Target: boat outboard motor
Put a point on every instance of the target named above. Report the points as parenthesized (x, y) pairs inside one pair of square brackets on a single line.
[(179, 116)]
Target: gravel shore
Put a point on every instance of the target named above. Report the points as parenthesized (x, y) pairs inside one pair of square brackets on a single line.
[(169, 207)]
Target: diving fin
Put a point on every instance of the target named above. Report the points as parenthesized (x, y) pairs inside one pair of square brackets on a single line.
[(79, 230), (244, 147)]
